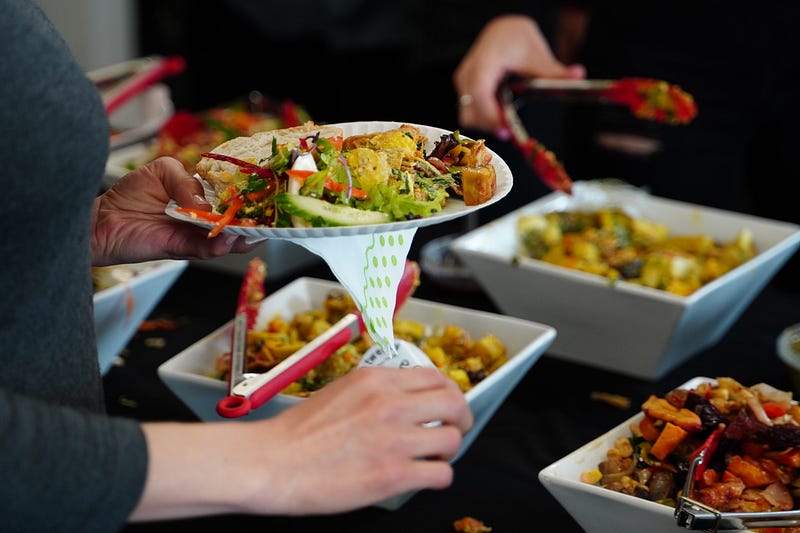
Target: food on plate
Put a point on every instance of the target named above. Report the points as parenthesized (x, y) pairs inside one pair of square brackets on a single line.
[(752, 434), (616, 400), (311, 176), (469, 524), (611, 243), (465, 360), (186, 135), (108, 276), (654, 100)]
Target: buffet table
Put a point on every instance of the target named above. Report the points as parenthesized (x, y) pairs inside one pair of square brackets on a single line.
[(549, 413)]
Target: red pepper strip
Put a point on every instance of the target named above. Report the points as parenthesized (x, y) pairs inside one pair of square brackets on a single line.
[(290, 114), (252, 290), (544, 163), (247, 168), (258, 195), (337, 142), (707, 448), (181, 126), (329, 183), (339, 187), (300, 174), (227, 217), (210, 216), (773, 409)]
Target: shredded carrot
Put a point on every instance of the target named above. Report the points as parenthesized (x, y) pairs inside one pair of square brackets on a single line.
[(230, 214), (197, 213)]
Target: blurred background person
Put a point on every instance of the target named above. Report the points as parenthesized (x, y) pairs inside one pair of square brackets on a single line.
[(343, 61), (735, 60)]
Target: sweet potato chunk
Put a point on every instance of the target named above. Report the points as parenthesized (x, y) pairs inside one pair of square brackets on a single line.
[(668, 440), (478, 184), (749, 471), (661, 409)]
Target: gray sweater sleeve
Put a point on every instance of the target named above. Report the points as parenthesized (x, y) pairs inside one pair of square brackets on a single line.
[(65, 469), (64, 464)]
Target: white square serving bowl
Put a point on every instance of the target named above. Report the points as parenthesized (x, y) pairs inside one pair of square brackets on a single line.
[(187, 373), (121, 308), (599, 510), (624, 327)]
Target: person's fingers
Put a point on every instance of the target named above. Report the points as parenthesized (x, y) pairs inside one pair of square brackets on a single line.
[(225, 243), (179, 185), (428, 474), (507, 44), (434, 442), (575, 72), (478, 106), (426, 396), (445, 405)]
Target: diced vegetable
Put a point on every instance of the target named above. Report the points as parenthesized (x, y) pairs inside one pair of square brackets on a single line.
[(321, 213), (668, 440), (478, 183)]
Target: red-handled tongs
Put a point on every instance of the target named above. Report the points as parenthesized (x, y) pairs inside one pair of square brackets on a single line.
[(246, 393), (143, 74), (251, 294)]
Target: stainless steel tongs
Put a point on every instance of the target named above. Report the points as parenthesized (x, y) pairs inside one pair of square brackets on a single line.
[(543, 161), (696, 516)]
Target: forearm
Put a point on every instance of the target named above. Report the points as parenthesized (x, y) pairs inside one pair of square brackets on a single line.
[(195, 469)]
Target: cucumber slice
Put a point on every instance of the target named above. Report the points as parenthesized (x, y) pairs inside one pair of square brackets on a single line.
[(321, 213)]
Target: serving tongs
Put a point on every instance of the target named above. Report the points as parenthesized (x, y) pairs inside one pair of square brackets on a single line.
[(120, 83), (250, 391), (247, 392), (647, 99), (694, 515), (543, 162)]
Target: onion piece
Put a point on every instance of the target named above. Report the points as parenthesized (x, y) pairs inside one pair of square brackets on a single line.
[(758, 411)]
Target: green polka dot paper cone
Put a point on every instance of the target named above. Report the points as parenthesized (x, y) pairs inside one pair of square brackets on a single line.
[(369, 267)]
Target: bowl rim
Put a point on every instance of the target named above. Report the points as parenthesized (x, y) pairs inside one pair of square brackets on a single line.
[(550, 477), (149, 270), (544, 337), (617, 192)]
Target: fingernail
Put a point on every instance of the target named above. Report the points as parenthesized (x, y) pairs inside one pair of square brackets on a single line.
[(502, 133), (200, 199)]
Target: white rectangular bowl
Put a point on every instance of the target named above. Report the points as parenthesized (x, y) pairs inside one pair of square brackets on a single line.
[(187, 373), (600, 510), (120, 309), (624, 327)]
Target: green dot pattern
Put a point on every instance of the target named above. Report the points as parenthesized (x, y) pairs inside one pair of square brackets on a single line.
[(385, 257)]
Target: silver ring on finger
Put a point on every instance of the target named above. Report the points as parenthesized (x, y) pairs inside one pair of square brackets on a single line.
[(465, 100)]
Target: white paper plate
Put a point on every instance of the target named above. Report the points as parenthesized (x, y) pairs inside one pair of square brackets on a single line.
[(453, 209)]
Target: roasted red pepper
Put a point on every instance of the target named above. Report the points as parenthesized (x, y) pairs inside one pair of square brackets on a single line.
[(252, 290), (708, 448), (654, 100), (547, 166)]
